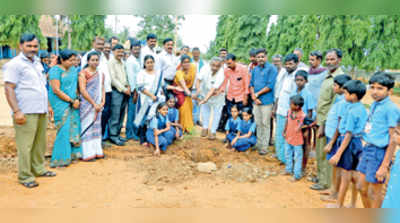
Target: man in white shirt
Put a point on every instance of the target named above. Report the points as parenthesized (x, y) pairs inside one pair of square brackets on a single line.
[(133, 68), (209, 85), (168, 62), (299, 53), (199, 65), (282, 104), (98, 46), (150, 49)]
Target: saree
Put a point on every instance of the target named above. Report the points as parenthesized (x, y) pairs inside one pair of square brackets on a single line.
[(146, 107), (185, 102), (90, 119), (393, 188), (67, 121)]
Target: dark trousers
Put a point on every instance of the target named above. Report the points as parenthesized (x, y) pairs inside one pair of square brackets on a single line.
[(119, 102), (105, 115), (226, 113)]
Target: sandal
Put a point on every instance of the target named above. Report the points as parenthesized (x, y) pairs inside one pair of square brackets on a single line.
[(31, 184), (48, 174)]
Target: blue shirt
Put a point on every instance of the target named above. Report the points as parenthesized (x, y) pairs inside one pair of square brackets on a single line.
[(247, 126), (173, 115), (383, 115), (309, 101), (332, 119), (158, 122), (262, 77), (353, 119), (232, 125)]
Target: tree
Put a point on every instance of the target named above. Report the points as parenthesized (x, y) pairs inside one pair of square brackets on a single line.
[(13, 26), (83, 29), (240, 33), (163, 26)]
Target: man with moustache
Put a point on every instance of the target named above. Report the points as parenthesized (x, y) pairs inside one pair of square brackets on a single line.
[(325, 101)]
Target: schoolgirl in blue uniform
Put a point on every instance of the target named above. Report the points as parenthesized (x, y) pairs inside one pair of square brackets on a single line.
[(173, 117), (159, 132), (232, 125), (245, 137)]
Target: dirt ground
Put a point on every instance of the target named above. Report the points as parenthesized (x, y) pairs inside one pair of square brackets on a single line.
[(131, 177)]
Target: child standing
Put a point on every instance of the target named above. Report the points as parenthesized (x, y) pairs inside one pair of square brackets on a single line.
[(232, 125), (173, 117), (301, 79), (347, 152), (159, 132), (245, 137), (379, 139), (294, 138), (331, 127)]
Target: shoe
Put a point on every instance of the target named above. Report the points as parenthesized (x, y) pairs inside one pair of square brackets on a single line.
[(117, 142), (263, 152), (212, 136), (312, 179), (318, 187), (204, 133)]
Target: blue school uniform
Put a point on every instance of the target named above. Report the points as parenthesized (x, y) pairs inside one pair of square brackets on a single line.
[(332, 120), (244, 144), (173, 116), (165, 139), (309, 101), (353, 119), (383, 116), (232, 125)]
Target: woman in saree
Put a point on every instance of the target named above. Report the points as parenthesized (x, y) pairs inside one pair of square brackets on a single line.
[(64, 100), (184, 78), (91, 83), (149, 85)]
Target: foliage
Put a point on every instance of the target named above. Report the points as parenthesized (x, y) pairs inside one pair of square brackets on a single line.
[(83, 29), (13, 26), (164, 26), (239, 33)]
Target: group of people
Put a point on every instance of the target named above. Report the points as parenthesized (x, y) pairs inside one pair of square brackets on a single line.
[(163, 96)]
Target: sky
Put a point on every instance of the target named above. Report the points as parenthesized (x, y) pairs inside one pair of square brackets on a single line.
[(196, 30)]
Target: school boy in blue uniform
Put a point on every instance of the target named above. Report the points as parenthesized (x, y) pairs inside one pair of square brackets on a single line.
[(347, 153), (232, 125), (331, 127), (380, 145)]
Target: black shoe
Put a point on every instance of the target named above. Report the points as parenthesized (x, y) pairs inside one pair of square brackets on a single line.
[(117, 142)]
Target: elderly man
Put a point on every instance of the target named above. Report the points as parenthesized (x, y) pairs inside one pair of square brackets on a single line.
[(208, 87), (299, 53), (26, 93), (325, 101)]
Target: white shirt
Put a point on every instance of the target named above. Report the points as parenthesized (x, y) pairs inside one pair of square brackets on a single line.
[(147, 51), (278, 83), (133, 68), (102, 68), (168, 64), (30, 82), (288, 85), (146, 80), (209, 81)]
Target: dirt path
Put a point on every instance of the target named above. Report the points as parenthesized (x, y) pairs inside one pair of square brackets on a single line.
[(131, 177)]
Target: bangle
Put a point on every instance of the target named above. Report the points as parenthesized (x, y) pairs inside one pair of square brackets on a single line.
[(18, 110)]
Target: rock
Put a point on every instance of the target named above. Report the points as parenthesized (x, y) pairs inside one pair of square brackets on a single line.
[(206, 167)]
